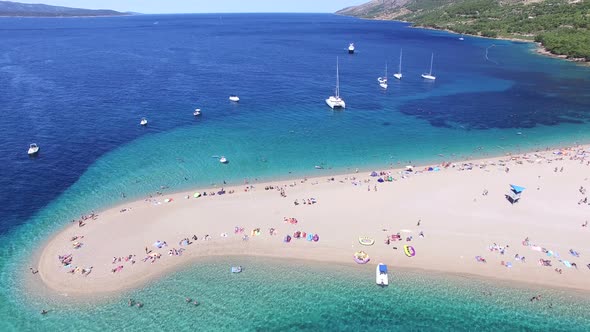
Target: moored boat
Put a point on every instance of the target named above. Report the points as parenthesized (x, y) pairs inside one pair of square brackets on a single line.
[(335, 102), (429, 75), (33, 149), (381, 277)]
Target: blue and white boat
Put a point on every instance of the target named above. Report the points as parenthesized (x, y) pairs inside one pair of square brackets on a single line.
[(381, 276)]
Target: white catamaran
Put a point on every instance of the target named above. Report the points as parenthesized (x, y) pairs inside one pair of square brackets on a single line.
[(398, 75), (335, 101), (429, 76)]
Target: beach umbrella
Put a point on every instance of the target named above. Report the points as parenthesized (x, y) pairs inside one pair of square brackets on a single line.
[(197, 195), (380, 180), (374, 174)]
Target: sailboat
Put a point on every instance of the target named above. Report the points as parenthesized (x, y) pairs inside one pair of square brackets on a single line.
[(429, 76), (398, 75), (383, 80), (335, 101)]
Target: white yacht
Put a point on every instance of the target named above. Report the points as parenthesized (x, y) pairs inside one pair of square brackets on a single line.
[(223, 160), (351, 48), (383, 80), (398, 75), (429, 76), (234, 98), (197, 112), (33, 149), (461, 38), (143, 122), (335, 101), (381, 277)]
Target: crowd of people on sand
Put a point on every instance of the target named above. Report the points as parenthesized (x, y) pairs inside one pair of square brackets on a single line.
[(128, 258), (306, 201), (545, 262), (505, 163), (84, 218)]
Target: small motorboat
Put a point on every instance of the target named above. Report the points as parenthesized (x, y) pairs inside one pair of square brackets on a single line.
[(234, 98), (319, 167), (197, 112), (351, 48), (143, 122), (381, 277), (361, 257), (236, 269), (223, 160), (33, 149)]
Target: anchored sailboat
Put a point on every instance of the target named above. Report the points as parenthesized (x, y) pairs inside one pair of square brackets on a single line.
[(398, 75), (383, 80), (335, 101), (429, 76)]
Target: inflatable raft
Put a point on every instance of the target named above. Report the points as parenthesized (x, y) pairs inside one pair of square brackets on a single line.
[(366, 241), (361, 257), (409, 251)]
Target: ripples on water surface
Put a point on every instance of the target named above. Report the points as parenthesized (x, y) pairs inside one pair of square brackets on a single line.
[(277, 296), (78, 88)]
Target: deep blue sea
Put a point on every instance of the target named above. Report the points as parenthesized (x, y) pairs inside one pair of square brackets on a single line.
[(79, 87)]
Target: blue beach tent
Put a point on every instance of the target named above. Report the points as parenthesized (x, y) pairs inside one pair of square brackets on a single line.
[(517, 189)]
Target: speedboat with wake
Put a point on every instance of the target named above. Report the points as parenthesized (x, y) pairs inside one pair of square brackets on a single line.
[(197, 112)]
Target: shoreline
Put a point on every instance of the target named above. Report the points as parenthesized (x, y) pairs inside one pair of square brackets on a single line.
[(540, 49), (40, 289), (53, 278)]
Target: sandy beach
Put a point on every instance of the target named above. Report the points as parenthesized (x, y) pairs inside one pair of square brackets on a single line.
[(449, 214)]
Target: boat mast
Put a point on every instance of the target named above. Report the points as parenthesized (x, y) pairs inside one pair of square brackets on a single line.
[(400, 61), (431, 60), (337, 80)]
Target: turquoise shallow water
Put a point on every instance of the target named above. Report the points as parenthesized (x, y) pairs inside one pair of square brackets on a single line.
[(106, 74), (272, 295)]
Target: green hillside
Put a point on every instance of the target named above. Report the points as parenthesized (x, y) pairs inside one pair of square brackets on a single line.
[(561, 26)]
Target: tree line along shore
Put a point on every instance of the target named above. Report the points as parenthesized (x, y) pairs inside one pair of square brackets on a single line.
[(560, 26)]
